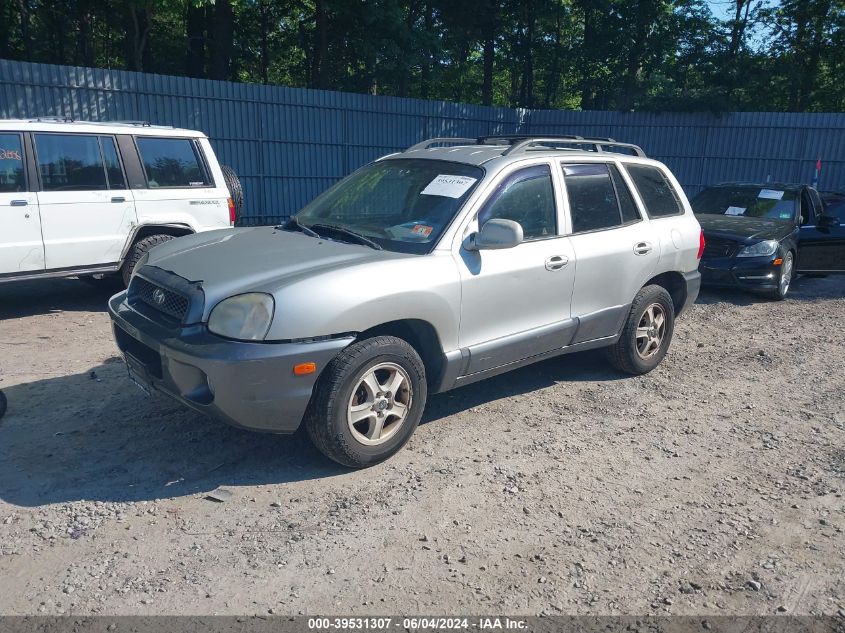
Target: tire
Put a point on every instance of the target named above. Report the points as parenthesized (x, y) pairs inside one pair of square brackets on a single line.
[(638, 356), (785, 277), (137, 251), (343, 385), (233, 184), (3, 404)]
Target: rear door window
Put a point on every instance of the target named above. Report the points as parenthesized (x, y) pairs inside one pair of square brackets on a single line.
[(12, 178), (657, 193), (172, 162), (598, 197), (70, 162)]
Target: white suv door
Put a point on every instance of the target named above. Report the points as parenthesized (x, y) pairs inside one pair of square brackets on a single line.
[(515, 301), (21, 246), (87, 211), (615, 247)]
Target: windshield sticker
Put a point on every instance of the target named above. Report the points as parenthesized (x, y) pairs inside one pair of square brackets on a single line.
[(448, 186), (771, 194), (735, 211), (422, 230), (785, 215)]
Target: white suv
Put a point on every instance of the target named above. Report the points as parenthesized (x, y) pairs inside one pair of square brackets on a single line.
[(89, 199)]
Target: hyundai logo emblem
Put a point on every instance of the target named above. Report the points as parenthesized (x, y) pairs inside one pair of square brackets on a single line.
[(158, 296)]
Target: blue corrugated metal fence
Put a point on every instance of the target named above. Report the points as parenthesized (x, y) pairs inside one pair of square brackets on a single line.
[(289, 144)]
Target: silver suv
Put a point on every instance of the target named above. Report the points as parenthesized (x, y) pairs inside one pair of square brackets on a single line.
[(426, 270)]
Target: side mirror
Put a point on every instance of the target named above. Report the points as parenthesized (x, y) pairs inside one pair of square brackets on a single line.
[(494, 235)]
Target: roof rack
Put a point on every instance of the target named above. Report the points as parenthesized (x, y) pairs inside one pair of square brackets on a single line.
[(440, 141), (522, 143), (52, 119), (598, 143), (141, 123)]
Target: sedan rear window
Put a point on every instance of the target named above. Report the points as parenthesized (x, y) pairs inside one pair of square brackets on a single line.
[(172, 162)]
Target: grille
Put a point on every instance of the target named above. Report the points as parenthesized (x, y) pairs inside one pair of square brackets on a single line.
[(718, 247), (170, 303)]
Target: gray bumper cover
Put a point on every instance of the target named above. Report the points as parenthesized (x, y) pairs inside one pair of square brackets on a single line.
[(250, 385)]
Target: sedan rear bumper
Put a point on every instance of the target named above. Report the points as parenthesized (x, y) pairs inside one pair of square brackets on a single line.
[(249, 385)]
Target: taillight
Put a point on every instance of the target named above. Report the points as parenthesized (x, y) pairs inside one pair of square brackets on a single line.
[(701, 245), (234, 216)]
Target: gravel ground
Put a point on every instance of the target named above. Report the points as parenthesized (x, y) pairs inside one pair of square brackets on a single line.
[(712, 485)]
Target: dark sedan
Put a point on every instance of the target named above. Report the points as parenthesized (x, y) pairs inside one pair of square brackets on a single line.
[(759, 235)]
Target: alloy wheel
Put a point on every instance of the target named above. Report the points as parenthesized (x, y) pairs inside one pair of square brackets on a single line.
[(380, 403), (651, 330)]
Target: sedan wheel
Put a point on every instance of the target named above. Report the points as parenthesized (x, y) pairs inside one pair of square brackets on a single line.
[(785, 278)]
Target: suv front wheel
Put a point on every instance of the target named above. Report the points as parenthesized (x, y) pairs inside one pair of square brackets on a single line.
[(647, 332), (368, 402)]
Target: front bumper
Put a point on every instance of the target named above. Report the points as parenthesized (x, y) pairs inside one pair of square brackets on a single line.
[(751, 273), (250, 385)]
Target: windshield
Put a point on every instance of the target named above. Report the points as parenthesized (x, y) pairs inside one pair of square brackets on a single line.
[(402, 205), (747, 201)]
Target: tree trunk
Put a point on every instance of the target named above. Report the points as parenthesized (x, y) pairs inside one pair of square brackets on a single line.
[(224, 35), (265, 47), (425, 73), (26, 38), (195, 31), (588, 44), (490, 27), (139, 22), (320, 46)]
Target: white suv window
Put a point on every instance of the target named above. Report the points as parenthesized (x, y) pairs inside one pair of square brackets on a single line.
[(11, 164), (171, 162), (70, 162)]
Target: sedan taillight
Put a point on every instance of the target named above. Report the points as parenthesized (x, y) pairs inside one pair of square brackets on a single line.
[(701, 245)]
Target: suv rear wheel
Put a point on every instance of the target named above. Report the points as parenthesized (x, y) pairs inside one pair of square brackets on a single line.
[(137, 251), (368, 402), (647, 332)]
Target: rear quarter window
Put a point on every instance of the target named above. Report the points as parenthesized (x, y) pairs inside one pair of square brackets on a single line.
[(657, 193), (172, 163)]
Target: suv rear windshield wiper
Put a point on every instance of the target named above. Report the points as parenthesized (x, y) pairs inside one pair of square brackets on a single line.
[(361, 239), (295, 222)]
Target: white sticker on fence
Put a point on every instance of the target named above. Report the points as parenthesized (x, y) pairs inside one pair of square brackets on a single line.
[(735, 211), (449, 186), (771, 194)]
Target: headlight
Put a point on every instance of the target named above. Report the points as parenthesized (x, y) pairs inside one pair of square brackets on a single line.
[(760, 249), (245, 317), (142, 260)]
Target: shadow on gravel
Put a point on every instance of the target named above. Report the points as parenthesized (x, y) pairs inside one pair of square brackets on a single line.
[(93, 436), (802, 289), (45, 296)]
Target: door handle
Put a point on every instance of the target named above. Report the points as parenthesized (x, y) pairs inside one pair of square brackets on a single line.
[(642, 248), (18, 203), (556, 262), (118, 199)]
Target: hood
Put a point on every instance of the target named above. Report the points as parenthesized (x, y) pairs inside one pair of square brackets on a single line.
[(743, 229), (263, 259)]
